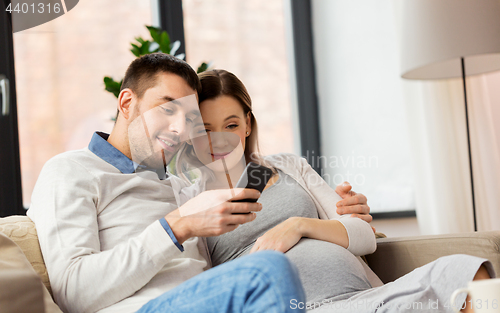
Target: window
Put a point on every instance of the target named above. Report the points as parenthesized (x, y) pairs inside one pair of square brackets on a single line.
[(364, 133), (60, 66), (247, 38)]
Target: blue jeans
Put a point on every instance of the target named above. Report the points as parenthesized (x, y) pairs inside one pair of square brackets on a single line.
[(260, 282)]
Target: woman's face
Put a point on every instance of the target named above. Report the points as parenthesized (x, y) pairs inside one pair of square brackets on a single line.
[(226, 125)]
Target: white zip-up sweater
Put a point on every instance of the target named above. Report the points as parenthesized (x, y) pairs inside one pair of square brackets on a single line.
[(361, 237)]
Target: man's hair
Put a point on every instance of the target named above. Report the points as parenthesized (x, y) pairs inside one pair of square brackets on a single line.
[(142, 73)]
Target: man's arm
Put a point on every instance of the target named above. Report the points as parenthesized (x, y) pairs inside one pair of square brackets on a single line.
[(84, 278), (353, 203), (212, 213)]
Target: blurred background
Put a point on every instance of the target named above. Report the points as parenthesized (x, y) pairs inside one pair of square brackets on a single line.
[(325, 80)]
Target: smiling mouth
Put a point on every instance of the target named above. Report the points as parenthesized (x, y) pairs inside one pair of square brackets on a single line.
[(218, 156), (168, 144)]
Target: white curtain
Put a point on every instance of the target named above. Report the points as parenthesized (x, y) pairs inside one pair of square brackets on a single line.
[(484, 98), (436, 120), (439, 148), (438, 139), (358, 75)]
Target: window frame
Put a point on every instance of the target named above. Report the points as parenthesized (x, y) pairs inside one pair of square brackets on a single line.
[(10, 167)]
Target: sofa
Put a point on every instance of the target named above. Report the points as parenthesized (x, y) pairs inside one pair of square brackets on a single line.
[(24, 282), (394, 258)]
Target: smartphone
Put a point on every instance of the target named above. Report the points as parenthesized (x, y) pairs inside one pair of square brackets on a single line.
[(254, 176)]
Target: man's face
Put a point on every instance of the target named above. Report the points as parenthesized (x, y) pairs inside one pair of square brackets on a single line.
[(162, 120)]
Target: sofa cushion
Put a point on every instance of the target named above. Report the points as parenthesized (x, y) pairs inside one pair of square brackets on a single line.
[(21, 289), (22, 231)]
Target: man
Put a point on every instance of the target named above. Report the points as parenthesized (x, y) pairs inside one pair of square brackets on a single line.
[(111, 236)]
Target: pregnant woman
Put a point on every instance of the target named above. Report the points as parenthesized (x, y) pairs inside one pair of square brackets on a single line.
[(299, 218)]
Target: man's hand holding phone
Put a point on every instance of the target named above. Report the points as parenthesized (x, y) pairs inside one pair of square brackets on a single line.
[(254, 176), (213, 213)]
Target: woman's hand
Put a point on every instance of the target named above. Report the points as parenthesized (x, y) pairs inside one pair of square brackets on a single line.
[(281, 237)]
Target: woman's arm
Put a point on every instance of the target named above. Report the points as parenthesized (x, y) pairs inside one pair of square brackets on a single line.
[(285, 235), (327, 230), (360, 234), (352, 233)]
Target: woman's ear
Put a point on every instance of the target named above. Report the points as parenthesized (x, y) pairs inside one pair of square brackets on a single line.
[(126, 101), (249, 123)]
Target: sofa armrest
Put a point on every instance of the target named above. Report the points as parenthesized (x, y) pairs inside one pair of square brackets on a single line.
[(21, 289), (396, 257), (21, 230)]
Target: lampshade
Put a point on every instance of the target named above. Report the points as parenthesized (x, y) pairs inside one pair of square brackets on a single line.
[(437, 33)]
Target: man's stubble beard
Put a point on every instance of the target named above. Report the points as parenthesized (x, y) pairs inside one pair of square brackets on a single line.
[(141, 146)]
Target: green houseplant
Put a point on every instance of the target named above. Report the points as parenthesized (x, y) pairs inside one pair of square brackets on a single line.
[(159, 42)]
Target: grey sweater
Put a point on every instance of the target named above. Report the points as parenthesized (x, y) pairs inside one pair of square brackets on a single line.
[(326, 269)]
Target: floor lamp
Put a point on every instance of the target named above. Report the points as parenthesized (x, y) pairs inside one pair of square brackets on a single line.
[(447, 39)]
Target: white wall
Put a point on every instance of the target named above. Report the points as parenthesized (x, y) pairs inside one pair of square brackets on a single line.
[(363, 123)]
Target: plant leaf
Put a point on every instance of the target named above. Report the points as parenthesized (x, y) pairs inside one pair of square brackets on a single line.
[(164, 42), (202, 68), (112, 86), (145, 48), (136, 50), (155, 33)]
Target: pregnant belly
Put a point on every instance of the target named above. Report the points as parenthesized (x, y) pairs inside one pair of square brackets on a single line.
[(327, 270)]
